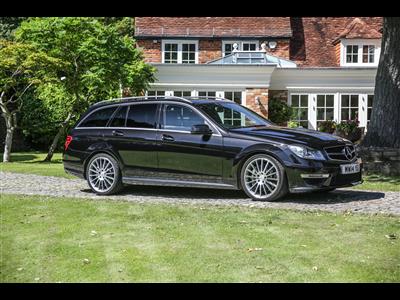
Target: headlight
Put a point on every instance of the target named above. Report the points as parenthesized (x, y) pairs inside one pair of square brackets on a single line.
[(307, 153)]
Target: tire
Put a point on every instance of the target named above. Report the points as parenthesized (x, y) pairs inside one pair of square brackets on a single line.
[(251, 177), (101, 181)]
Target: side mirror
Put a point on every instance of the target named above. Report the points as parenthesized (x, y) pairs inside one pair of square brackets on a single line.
[(201, 129)]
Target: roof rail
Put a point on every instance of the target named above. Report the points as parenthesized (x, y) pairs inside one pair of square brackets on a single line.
[(140, 98)]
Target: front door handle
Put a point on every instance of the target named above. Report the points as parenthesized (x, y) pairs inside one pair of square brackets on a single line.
[(166, 137), (117, 133)]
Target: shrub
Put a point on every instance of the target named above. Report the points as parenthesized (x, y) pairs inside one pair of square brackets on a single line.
[(293, 124), (279, 112), (347, 127), (327, 126)]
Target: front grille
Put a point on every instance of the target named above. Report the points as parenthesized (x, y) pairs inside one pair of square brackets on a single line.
[(343, 152)]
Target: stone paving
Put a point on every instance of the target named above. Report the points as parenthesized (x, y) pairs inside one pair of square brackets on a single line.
[(341, 201)]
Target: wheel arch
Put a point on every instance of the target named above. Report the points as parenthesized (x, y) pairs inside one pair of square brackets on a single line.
[(99, 151), (260, 149)]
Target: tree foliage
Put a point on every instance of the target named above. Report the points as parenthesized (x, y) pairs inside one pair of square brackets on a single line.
[(8, 26), (21, 67), (100, 60), (278, 111)]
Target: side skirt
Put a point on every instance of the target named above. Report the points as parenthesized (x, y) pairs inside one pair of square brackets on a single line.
[(170, 182)]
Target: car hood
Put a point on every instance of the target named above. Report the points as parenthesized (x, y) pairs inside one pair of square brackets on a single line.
[(303, 136)]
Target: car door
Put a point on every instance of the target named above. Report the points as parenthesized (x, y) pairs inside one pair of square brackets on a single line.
[(132, 134), (184, 156)]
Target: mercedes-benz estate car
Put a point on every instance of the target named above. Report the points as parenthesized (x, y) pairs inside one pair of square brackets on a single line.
[(203, 143)]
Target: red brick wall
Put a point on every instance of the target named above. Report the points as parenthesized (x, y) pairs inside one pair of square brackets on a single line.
[(252, 103), (281, 49), (209, 50), (151, 50), (312, 41)]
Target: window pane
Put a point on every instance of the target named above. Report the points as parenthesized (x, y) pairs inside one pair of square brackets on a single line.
[(370, 100), (211, 94), (295, 100), (355, 58), (303, 113), (167, 47), (354, 113), (202, 94), (119, 118), (185, 56), (177, 93), (192, 56), (320, 100), (99, 118), (142, 116), (237, 97), (371, 54), (151, 93), (185, 47), (345, 114), (228, 95), (192, 47), (178, 117), (354, 100), (320, 114), (187, 93), (329, 100), (345, 100), (304, 100), (329, 114)]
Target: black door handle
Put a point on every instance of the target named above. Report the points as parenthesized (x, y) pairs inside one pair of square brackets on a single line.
[(166, 137), (117, 133)]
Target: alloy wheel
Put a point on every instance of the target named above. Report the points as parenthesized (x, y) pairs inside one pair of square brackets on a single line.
[(261, 177), (101, 174)]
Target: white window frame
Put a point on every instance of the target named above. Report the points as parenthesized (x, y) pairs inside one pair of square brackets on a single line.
[(309, 114), (360, 43), (179, 43), (240, 44), (359, 111)]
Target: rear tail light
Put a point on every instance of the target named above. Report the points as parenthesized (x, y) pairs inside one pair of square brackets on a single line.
[(68, 140)]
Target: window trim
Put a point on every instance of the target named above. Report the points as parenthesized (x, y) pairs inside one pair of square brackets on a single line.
[(240, 43), (179, 58), (360, 43)]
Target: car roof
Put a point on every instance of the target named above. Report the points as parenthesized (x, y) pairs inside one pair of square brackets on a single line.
[(191, 100)]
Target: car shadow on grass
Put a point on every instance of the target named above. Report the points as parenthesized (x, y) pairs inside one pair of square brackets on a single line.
[(338, 196)]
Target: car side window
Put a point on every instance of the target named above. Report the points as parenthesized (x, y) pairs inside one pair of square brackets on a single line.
[(179, 117), (98, 118), (142, 116), (119, 117)]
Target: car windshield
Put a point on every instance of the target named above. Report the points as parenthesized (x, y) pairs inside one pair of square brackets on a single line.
[(231, 115)]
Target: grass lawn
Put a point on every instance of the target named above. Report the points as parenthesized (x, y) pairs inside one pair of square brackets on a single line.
[(31, 162), (46, 239)]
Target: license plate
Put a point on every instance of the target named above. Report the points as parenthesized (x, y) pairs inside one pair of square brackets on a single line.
[(350, 168)]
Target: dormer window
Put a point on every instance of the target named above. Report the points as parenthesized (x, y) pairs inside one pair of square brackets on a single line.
[(359, 52), (227, 46), (179, 52)]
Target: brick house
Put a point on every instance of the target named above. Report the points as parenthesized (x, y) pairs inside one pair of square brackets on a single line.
[(323, 67)]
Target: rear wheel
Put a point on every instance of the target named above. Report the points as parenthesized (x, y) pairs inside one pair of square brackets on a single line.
[(263, 178), (103, 174)]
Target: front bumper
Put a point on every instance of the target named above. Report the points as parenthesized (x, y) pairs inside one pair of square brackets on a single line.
[(323, 176)]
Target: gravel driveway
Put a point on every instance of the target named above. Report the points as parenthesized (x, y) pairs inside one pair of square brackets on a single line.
[(343, 200)]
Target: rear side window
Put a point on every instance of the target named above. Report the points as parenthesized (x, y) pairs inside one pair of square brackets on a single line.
[(119, 117), (98, 118), (142, 116)]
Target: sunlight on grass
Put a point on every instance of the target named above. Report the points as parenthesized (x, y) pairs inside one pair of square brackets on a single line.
[(47, 239), (32, 163)]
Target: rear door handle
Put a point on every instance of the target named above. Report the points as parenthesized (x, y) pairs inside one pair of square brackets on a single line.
[(166, 137), (117, 133)]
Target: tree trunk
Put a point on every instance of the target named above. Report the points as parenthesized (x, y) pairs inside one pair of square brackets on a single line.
[(384, 127), (8, 144), (56, 138)]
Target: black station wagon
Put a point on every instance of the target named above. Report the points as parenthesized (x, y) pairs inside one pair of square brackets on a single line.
[(203, 142)]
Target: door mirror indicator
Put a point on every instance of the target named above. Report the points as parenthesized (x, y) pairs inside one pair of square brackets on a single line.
[(201, 129)]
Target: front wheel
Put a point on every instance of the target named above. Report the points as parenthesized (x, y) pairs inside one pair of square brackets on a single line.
[(263, 178), (103, 174)]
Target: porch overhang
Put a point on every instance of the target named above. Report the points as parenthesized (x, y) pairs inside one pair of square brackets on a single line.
[(316, 79), (207, 76)]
